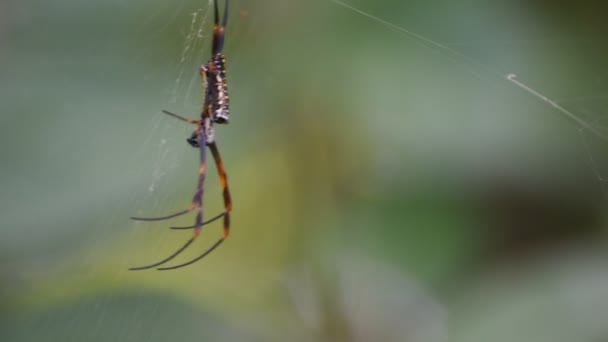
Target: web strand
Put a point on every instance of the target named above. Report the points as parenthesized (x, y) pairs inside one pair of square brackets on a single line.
[(582, 123), (455, 55)]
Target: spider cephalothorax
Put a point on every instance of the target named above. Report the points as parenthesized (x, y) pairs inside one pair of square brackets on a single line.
[(215, 110)]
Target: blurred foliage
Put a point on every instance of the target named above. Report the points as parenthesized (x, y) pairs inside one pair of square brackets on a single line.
[(385, 187)]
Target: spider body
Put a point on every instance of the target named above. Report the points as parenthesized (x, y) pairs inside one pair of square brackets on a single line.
[(215, 110), (217, 102)]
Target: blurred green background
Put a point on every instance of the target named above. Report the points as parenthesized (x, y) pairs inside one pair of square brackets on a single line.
[(385, 188)]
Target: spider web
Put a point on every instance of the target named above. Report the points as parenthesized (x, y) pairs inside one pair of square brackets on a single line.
[(171, 157), (592, 125), (194, 44), (184, 93), (172, 172)]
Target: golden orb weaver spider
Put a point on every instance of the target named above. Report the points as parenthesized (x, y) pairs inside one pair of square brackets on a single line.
[(215, 110)]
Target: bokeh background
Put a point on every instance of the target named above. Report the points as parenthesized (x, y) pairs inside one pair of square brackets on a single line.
[(385, 187)]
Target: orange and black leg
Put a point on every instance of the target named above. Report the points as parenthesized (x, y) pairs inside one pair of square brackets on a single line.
[(227, 208), (197, 203)]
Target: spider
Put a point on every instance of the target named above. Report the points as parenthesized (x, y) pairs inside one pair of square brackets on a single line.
[(215, 111)]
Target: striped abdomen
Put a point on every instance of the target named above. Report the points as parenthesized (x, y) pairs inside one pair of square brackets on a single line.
[(218, 89)]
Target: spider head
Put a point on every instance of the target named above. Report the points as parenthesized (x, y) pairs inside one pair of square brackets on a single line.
[(193, 140)]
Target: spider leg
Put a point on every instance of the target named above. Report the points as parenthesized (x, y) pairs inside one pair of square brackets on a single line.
[(194, 122), (196, 202), (164, 260), (218, 30), (227, 205), (162, 218), (215, 245), (224, 183), (215, 218), (199, 219)]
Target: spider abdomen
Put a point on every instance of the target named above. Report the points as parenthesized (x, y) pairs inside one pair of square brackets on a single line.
[(218, 88)]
